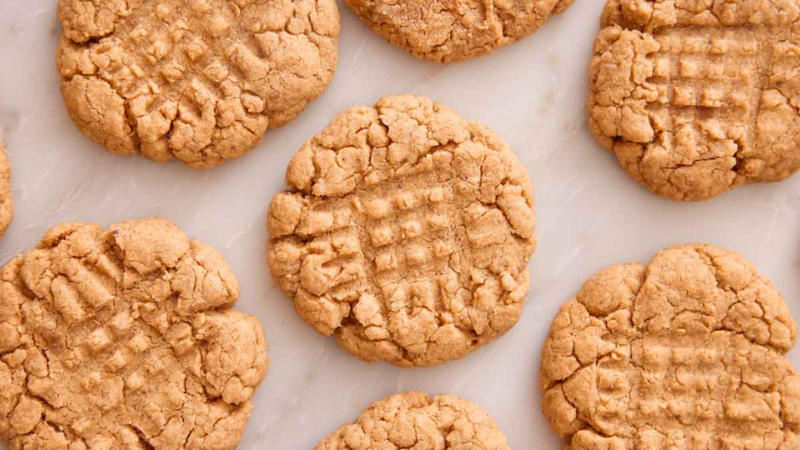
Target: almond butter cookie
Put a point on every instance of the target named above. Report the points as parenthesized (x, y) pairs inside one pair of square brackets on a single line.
[(124, 339), (6, 194), (688, 351), (196, 80), (697, 98), (407, 233), (454, 30), (415, 420)]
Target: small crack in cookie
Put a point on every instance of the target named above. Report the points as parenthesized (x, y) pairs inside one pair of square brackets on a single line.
[(124, 339), (199, 80), (687, 351), (407, 234)]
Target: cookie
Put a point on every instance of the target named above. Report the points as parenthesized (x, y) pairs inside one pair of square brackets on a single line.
[(124, 339), (198, 80), (688, 351), (415, 420), (407, 233), (696, 99), (454, 30), (562, 6), (6, 195)]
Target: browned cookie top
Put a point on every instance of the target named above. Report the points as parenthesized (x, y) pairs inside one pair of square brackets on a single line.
[(697, 98), (124, 339), (453, 30), (414, 420), (407, 234), (196, 80), (686, 352)]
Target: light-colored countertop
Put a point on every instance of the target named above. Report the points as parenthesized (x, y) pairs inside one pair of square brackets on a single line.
[(532, 93)]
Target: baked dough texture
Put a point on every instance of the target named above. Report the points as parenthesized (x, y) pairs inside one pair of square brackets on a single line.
[(6, 194), (696, 98), (124, 339), (685, 352), (407, 234), (414, 420), (196, 80), (453, 30)]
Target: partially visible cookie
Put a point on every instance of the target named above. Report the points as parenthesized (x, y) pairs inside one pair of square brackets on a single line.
[(124, 339), (6, 194), (562, 6), (199, 80), (454, 30), (688, 351), (414, 420), (407, 233), (696, 99)]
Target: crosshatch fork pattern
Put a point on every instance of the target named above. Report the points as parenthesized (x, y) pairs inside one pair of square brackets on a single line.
[(125, 339), (686, 352), (702, 78), (200, 81), (697, 102), (408, 235)]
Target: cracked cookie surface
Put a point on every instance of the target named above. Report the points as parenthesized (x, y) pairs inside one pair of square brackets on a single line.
[(196, 80), (454, 30), (415, 420), (124, 339), (697, 98), (407, 234), (6, 193), (687, 351)]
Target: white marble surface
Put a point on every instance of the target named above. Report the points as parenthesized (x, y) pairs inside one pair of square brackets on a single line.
[(531, 93)]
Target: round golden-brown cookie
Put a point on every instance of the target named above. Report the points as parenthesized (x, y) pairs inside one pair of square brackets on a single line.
[(124, 339), (415, 420), (454, 30), (697, 98), (407, 233), (687, 351), (6, 194), (196, 80)]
